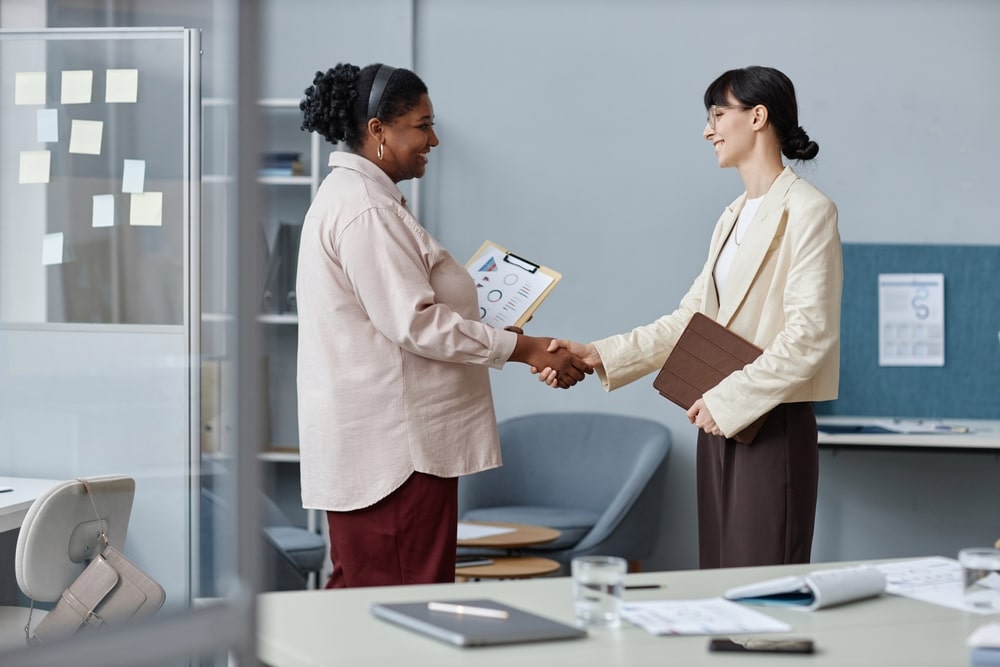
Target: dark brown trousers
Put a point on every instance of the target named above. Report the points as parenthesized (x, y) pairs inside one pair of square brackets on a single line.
[(757, 502), (408, 537)]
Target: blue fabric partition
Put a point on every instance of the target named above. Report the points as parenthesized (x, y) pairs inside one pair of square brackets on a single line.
[(968, 385)]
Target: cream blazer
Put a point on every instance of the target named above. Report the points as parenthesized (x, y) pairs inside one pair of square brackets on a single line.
[(783, 293)]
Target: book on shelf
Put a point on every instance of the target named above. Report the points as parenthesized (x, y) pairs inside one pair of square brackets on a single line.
[(280, 163)]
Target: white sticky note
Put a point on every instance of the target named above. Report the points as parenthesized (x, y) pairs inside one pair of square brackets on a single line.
[(76, 86), (122, 85), (48, 126), (29, 88), (104, 211), (146, 209), (85, 137), (134, 176), (34, 167), (52, 248)]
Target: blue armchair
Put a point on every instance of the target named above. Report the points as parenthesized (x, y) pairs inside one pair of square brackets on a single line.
[(600, 479)]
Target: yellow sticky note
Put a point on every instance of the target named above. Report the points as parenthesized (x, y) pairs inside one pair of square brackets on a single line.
[(85, 137), (146, 209), (29, 88), (76, 86), (122, 85), (34, 167)]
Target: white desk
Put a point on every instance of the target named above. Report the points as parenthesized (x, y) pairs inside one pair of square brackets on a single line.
[(334, 627), (983, 435), (14, 504)]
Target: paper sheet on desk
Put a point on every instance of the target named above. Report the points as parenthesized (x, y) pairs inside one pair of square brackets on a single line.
[(913, 426), (936, 580), (712, 616), (471, 531)]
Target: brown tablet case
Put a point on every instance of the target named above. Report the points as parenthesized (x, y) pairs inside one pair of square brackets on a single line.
[(705, 353)]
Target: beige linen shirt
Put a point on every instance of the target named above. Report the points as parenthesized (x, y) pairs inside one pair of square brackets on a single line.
[(393, 362), (783, 293)]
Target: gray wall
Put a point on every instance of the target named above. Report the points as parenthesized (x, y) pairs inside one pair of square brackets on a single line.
[(571, 132)]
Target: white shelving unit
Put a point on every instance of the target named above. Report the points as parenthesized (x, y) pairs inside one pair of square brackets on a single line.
[(286, 199)]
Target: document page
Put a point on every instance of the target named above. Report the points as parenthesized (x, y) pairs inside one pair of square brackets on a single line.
[(510, 288), (936, 580), (712, 616), (471, 531)]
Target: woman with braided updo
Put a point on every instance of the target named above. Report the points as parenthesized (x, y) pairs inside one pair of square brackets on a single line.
[(773, 275), (393, 361)]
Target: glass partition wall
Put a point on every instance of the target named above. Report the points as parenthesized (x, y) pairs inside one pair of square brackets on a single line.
[(130, 290)]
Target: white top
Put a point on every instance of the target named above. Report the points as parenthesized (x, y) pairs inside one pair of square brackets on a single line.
[(393, 362), (735, 240)]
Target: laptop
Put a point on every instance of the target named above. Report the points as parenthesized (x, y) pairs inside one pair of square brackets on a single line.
[(466, 630)]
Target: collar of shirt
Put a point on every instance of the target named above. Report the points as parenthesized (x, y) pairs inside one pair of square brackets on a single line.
[(345, 160)]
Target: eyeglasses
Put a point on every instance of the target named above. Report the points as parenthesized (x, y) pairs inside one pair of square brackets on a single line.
[(713, 112)]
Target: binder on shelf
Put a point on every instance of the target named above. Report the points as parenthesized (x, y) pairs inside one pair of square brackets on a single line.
[(510, 288), (704, 355), (279, 287)]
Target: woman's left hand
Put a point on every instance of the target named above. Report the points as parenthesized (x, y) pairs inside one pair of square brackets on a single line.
[(699, 415)]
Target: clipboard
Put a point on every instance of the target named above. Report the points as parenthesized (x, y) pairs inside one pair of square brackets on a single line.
[(704, 355), (509, 287)]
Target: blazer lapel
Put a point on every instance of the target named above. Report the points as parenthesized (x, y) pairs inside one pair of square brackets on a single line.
[(750, 258), (710, 299)]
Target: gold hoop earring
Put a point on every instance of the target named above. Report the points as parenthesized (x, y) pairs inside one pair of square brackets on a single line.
[(381, 150)]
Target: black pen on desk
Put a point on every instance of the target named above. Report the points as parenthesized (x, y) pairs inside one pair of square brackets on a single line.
[(6, 489), (640, 587)]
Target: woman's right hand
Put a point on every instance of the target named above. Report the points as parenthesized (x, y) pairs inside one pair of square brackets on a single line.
[(587, 352), (563, 368)]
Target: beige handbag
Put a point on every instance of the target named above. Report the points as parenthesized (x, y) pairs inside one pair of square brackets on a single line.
[(110, 590)]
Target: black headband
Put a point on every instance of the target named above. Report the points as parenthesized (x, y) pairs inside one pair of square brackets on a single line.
[(378, 88)]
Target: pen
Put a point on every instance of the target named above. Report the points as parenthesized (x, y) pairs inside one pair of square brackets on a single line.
[(465, 610), (6, 489), (639, 587), (952, 429)]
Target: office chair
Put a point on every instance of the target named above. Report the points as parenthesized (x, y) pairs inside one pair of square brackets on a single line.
[(59, 536), (298, 553), (291, 554), (600, 479)]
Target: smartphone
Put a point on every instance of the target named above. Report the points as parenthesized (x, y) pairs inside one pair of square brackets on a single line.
[(754, 645)]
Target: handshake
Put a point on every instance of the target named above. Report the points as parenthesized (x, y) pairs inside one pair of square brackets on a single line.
[(557, 362)]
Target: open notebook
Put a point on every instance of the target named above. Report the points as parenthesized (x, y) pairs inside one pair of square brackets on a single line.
[(464, 630)]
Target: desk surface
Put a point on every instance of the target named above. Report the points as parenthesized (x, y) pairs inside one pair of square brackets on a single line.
[(334, 627), (983, 434), (14, 504)]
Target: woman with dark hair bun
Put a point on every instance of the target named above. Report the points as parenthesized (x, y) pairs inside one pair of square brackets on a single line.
[(773, 275), (393, 361)]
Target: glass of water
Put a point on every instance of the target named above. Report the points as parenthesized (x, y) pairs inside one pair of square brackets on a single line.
[(598, 584), (981, 576)]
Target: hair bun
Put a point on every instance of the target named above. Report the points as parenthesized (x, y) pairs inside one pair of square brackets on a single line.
[(798, 146)]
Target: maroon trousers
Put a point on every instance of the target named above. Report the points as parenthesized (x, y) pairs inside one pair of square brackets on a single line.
[(408, 537), (757, 502)]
